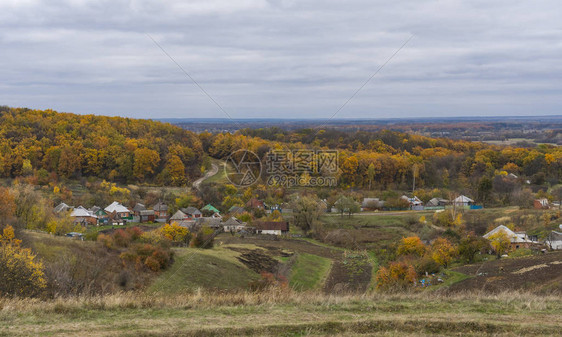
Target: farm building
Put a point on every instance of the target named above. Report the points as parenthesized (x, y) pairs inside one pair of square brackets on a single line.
[(271, 227)]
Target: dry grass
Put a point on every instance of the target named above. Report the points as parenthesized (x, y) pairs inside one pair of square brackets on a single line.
[(286, 313)]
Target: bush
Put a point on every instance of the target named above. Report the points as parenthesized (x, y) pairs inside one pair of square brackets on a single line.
[(426, 264), (204, 238), (398, 275), (20, 274)]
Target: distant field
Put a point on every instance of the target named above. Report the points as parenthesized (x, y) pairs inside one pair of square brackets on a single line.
[(285, 313)]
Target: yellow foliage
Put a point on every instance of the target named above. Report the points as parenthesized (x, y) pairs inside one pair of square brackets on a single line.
[(20, 273), (411, 246), (175, 233)]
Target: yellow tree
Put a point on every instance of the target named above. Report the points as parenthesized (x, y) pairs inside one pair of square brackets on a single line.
[(176, 168), (7, 205), (442, 251), (146, 160), (411, 246), (501, 242), (20, 273)]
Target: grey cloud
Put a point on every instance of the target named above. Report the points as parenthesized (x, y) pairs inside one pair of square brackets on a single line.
[(282, 57)]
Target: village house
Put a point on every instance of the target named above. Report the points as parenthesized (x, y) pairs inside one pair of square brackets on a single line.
[(554, 240), (61, 208), (211, 209), (518, 239), (541, 204), (236, 210), (160, 211), (82, 216), (271, 227), (437, 202), (101, 214), (370, 204), (255, 204), (116, 211), (147, 215), (415, 203), (463, 201), (136, 211), (192, 212), (233, 225)]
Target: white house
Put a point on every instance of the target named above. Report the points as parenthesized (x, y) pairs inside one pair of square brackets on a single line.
[(83, 216), (554, 240), (518, 239), (120, 210), (233, 225), (463, 200)]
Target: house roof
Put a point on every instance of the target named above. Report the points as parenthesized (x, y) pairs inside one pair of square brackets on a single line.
[(437, 201), (463, 199), (179, 215), (236, 209), (147, 212), (232, 222), (516, 237), (272, 225), (210, 207), (211, 222), (94, 209), (117, 208), (255, 203), (139, 207), (61, 207), (367, 201), (160, 206), (191, 210), (81, 212), (414, 200)]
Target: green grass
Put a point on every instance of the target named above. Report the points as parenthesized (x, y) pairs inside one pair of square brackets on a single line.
[(452, 278), (195, 268), (309, 272)]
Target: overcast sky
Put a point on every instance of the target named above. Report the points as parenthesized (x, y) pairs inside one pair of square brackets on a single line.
[(283, 58)]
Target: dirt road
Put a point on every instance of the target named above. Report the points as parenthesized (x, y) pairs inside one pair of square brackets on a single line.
[(214, 170)]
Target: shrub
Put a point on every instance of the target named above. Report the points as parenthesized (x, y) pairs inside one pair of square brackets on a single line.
[(204, 238), (268, 281), (398, 275), (411, 246), (20, 274), (426, 265)]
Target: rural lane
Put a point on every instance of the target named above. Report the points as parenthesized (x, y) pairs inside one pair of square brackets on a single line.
[(214, 170)]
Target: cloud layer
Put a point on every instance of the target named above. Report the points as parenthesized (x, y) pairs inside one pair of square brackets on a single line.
[(282, 58)]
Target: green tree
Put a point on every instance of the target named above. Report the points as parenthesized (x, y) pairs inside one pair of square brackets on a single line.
[(307, 211)]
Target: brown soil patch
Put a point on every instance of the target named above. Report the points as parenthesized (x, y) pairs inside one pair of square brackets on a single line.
[(541, 273)]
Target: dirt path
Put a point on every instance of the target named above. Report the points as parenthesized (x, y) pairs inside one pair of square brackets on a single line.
[(214, 170)]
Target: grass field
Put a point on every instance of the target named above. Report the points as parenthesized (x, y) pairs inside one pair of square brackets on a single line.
[(194, 268), (309, 272), (285, 313)]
